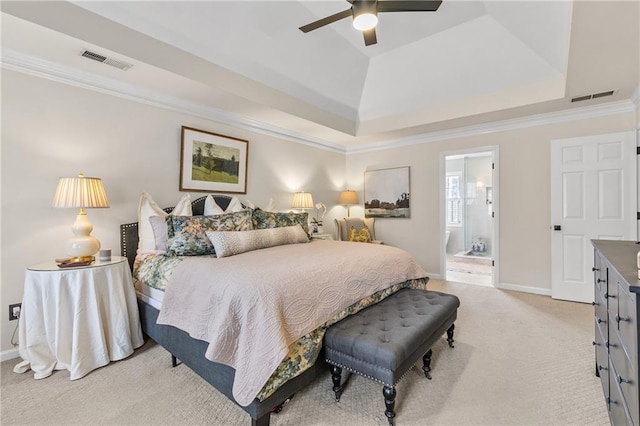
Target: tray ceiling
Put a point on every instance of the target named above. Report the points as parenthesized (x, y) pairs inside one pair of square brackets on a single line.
[(467, 63)]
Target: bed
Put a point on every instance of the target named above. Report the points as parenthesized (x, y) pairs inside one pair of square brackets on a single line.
[(303, 361)]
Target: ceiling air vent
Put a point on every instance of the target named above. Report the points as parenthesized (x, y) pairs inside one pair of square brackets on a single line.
[(602, 94), (593, 96), (105, 60)]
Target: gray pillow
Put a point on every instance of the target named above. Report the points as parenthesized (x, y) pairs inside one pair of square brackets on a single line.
[(160, 231), (229, 243)]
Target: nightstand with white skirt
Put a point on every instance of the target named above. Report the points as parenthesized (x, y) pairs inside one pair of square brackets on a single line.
[(77, 319)]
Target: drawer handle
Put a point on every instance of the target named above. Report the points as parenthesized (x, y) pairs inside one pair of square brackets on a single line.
[(600, 280), (594, 304), (602, 368), (621, 380), (619, 318), (595, 269), (609, 296), (610, 345), (594, 343), (600, 320), (611, 401)]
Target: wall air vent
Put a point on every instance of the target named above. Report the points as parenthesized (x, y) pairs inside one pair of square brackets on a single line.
[(592, 96), (105, 60)]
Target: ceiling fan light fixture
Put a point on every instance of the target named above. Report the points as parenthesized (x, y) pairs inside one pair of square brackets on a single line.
[(365, 21)]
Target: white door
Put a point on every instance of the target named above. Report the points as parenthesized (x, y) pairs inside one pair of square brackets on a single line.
[(593, 196)]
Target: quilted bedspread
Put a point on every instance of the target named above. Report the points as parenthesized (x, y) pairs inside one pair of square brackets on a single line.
[(251, 307)]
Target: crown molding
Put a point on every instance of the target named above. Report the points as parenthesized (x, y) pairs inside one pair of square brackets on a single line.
[(28, 64), (501, 126), (32, 65)]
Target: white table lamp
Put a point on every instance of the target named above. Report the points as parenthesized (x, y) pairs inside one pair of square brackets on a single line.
[(81, 192)]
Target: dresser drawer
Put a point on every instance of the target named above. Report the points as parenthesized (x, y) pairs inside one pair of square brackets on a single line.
[(623, 374), (613, 279), (602, 361), (601, 314), (600, 275), (618, 411), (626, 321)]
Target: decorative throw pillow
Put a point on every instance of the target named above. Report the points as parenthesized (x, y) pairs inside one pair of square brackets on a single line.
[(212, 208), (266, 220), (361, 236), (228, 243), (271, 206), (187, 234), (160, 232), (147, 208)]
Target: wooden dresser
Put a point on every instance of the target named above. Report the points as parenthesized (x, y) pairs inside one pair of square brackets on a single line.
[(616, 327)]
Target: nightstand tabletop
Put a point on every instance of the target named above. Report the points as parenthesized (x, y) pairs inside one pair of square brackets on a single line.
[(53, 266)]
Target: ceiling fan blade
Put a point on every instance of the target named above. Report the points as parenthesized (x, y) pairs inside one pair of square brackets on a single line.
[(370, 37), (408, 6), (325, 21)]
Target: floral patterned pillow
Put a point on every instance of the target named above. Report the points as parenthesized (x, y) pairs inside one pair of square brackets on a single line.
[(361, 236), (266, 220), (187, 234)]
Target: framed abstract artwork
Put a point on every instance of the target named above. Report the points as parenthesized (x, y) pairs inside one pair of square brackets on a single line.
[(386, 193), (210, 162)]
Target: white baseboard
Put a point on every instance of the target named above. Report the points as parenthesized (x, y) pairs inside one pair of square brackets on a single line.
[(525, 289), (509, 286), (10, 354)]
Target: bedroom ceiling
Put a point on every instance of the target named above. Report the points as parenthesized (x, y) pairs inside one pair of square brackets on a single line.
[(469, 63)]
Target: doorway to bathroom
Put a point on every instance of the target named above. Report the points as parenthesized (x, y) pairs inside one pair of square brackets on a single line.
[(469, 207)]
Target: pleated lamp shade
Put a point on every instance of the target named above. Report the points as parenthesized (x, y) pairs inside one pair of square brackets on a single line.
[(80, 192), (302, 200)]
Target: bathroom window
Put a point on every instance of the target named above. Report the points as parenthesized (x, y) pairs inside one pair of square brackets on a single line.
[(453, 199)]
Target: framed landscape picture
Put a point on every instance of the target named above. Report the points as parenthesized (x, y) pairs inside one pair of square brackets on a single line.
[(210, 162), (386, 193)]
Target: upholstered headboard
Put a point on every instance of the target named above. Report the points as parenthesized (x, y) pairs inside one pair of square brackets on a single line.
[(129, 231)]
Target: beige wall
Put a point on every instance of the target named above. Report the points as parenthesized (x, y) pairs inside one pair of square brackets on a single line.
[(51, 130), (524, 185)]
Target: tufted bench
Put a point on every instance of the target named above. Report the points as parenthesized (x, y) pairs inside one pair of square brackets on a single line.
[(383, 341)]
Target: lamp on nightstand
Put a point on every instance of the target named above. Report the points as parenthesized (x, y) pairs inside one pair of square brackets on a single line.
[(81, 192), (348, 198), (302, 200)]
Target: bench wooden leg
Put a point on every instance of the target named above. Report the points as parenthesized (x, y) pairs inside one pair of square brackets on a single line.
[(336, 373), (389, 393), (174, 361), (426, 364), (450, 335)]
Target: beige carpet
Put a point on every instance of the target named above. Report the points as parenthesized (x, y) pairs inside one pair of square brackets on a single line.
[(520, 359)]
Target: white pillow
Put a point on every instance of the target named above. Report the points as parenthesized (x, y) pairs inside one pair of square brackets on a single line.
[(146, 208), (234, 205), (211, 208), (229, 243), (271, 207)]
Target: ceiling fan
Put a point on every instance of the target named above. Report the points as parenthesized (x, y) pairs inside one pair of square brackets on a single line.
[(365, 14)]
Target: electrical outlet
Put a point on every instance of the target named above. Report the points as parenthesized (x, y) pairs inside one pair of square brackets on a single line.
[(14, 311)]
